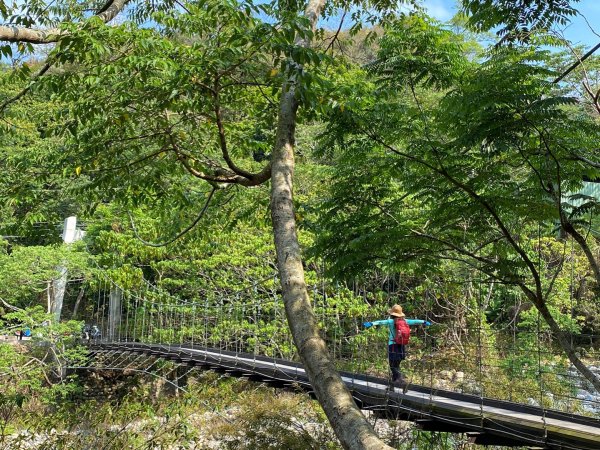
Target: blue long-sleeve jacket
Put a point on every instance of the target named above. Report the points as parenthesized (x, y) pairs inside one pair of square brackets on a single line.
[(391, 328)]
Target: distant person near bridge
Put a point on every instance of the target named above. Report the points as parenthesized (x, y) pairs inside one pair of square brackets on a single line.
[(89, 332), (398, 337)]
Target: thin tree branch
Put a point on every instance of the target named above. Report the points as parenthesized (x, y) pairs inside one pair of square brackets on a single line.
[(577, 63), (456, 248), (223, 140), (204, 176), (9, 306), (337, 33), (586, 79), (180, 234), (586, 160), (558, 271), (27, 88), (130, 164)]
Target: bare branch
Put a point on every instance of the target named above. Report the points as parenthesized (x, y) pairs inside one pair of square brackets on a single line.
[(586, 80), (337, 33), (184, 159), (577, 63), (557, 272), (180, 234), (9, 306), (586, 160)]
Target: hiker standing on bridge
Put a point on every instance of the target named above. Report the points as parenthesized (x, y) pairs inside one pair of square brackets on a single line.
[(399, 335)]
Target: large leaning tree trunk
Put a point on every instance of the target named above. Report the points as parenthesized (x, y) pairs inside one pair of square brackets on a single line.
[(563, 338), (348, 422)]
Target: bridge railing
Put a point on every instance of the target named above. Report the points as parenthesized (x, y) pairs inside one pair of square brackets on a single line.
[(514, 364)]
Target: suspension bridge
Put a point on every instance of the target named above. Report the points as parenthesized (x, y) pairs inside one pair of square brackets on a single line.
[(245, 338), (499, 385)]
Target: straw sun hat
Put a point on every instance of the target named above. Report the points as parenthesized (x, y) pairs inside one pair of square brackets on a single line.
[(396, 311)]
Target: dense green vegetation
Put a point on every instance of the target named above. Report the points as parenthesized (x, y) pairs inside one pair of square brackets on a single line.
[(432, 172)]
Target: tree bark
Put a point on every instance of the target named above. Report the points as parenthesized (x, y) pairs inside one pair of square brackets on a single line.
[(78, 303), (349, 424), (41, 36), (569, 228)]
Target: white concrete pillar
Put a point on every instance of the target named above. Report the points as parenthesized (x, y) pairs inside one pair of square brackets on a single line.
[(70, 235)]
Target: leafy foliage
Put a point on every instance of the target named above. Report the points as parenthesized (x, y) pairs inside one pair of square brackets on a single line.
[(519, 20), (33, 188), (433, 163), (483, 171), (26, 272), (415, 51)]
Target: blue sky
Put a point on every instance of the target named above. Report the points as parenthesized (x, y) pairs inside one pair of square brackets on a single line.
[(578, 31)]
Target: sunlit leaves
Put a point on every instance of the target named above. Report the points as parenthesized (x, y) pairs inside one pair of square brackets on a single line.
[(415, 51), (143, 97), (33, 188), (518, 21)]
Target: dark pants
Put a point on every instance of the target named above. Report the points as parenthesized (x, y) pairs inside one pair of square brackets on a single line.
[(396, 354)]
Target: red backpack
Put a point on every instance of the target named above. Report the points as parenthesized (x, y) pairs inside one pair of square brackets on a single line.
[(402, 332)]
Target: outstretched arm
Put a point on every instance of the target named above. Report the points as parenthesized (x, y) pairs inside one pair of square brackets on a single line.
[(418, 322), (382, 322), (377, 323)]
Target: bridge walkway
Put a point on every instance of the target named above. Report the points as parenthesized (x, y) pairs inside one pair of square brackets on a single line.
[(487, 421)]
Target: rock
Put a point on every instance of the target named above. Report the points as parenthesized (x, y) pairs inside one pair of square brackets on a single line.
[(459, 377), (441, 384)]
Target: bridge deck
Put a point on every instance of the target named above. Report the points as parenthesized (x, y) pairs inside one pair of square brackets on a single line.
[(489, 421)]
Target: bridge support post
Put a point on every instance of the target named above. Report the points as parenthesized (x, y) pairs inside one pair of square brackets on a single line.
[(114, 312)]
